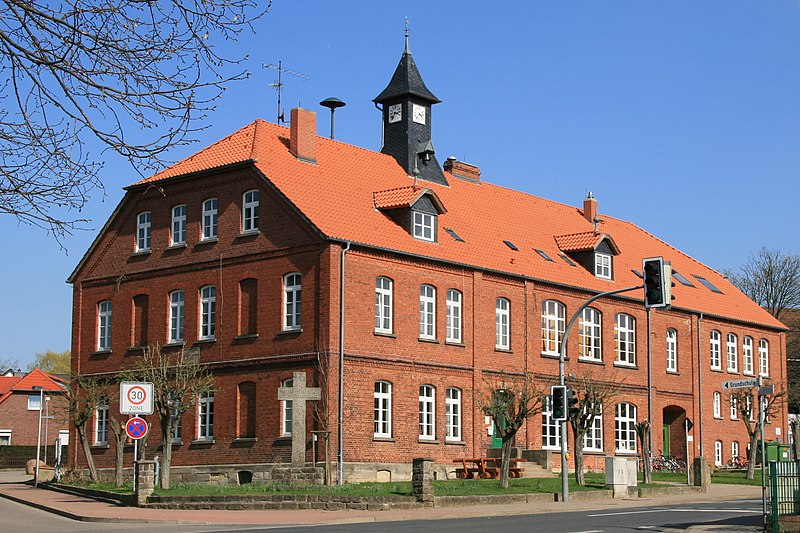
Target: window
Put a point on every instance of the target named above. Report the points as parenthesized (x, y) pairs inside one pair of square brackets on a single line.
[(427, 412), (710, 286), (749, 411), (210, 213), (177, 426), (747, 355), (292, 288), (733, 354), (34, 402), (5, 437), (208, 311), (625, 339), (717, 405), (672, 350), (383, 409), (101, 421), (250, 212), (602, 265), (427, 312), (452, 413), (453, 333), (205, 416), (593, 439), (552, 326), (248, 306), (626, 428), (104, 326), (286, 411), (734, 450), (140, 324), (763, 357), (718, 452), (176, 316), (383, 305), (424, 226), (178, 233), (247, 410), (716, 357), (502, 314), (734, 407), (551, 429), (590, 327), (143, 231)]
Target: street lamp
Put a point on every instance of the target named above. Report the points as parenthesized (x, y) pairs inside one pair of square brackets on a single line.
[(38, 434), (46, 425)]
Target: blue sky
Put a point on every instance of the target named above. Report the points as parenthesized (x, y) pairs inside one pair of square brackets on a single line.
[(682, 117)]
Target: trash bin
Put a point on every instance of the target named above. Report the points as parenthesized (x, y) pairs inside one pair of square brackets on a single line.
[(775, 451)]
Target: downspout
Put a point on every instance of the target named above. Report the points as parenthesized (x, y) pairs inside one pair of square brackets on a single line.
[(699, 385), (340, 457)]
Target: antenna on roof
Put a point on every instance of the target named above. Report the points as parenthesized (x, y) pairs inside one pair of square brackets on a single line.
[(279, 84)]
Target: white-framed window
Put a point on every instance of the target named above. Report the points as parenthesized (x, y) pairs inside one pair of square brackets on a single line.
[(208, 311), (176, 315), (602, 265), (747, 355), (205, 416), (718, 452), (427, 412), (34, 402), (625, 339), (452, 413), (593, 439), (733, 353), (383, 305), (250, 201), (5, 437), (104, 325), (590, 341), (292, 291), (551, 429), (717, 405), (286, 411), (424, 226), (734, 407), (748, 406), (383, 409), (453, 333), (625, 423), (715, 347), (177, 426), (101, 421), (178, 228), (672, 350), (427, 312), (502, 316), (552, 326), (734, 449), (210, 215), (143, 226), (763, 357)]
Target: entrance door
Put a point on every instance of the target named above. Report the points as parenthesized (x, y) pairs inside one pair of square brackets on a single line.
[(497, 442), (666, 439)]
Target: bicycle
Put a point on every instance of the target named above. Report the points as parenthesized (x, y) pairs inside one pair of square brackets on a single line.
[(737, 463)]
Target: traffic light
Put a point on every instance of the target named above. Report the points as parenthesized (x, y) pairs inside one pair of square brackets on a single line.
[(657, 282), (558, 402), (572, 403)]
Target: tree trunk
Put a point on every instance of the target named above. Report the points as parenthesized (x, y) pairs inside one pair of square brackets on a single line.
[(119, 440), (752, 455), (505, 460), (87, 452), (795, 425), (577, 450), (166, 456)]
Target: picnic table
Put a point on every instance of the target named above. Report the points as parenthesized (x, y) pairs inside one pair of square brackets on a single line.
[(485, 468)]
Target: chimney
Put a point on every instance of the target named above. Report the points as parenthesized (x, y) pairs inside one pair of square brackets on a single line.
[(303, 141), (590, 208), (462, 170)]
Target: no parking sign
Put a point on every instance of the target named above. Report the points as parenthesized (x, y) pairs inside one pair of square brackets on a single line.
[(136, 428)]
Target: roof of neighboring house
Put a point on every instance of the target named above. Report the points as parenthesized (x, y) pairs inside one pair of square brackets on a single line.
[(35, 378)]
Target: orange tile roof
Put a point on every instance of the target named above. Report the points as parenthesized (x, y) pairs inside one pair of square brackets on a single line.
[(337, 195), (393, 198), (579, 241)]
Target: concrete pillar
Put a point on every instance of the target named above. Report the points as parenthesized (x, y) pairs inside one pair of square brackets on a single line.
[(422, 481), (146, 474), (701, 473), (621, 476)]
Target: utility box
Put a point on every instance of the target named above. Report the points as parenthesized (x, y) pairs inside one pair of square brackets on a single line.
[(621, 476), (776, 451)]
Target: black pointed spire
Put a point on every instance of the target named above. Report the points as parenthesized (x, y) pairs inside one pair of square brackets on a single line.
[(406, 80)]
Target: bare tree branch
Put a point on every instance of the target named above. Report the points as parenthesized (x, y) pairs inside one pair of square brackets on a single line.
[(771, 279)]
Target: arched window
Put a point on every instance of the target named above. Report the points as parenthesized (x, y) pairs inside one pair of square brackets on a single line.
[(210, 214), (590, 326), (733, 353), (763, 357), (208, 311), (717, 405), (427, 312), (140, 320), (177, 235), (292, 290), (427, 412), (625, 339), (718, 452), (383, 409), (176, 316), (625, 422), (250, 202), (452, 412), (747, 355), (383, 305), (143, 226), (453, 316), (247, 410), (104, 325), (672, 350), (552, 326), (502, 327), (286, 410), (716, 357)]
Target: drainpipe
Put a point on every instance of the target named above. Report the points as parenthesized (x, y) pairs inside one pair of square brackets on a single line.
[(699, 386), (340, 458)]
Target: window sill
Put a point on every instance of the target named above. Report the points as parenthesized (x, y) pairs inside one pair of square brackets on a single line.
[(626, 453), (717, 370), (733, 372), (244, 441), (177, 442), (383, 439), (101, 353), (209, 340), (139, 253), (175, 344), (429, 341), (99, 446), (202, 442), (591, 361), (502, 350), (138, 350), (548, 355), (625, 365), (673, 372), (176, 246), (384, 334), (427, 441), (455, 442), (287, 437), (249, 233), (250, 337), (211, 240), (455, 343), (290, 331)]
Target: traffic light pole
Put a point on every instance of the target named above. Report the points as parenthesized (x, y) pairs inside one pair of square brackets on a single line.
[(561, 381)]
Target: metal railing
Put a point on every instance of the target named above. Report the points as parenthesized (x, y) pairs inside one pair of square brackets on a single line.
[(783, 492)]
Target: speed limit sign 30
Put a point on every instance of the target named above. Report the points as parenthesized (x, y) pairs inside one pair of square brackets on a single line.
[(135, 398)]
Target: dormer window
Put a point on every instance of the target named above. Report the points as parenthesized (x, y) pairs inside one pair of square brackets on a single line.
[(424, 226), (602, 265), (413, 208), (593, 251)]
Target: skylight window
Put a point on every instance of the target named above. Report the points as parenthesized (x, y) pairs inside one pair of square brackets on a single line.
[(679, 277), (567, 260), (512, 245), (544, 255), (453, 234), (710, 286)]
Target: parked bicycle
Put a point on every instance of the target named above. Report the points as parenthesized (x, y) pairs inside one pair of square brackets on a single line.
[(737, 463), (668, 463)]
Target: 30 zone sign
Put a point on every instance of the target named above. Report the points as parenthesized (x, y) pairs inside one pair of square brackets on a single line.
[(135, 398)]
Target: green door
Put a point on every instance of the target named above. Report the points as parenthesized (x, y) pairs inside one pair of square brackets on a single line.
[(666, 439), (497, 442)]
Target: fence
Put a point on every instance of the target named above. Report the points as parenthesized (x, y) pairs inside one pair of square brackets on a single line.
[(783, 491)]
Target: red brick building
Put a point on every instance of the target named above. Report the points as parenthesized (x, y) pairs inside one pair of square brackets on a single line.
[(275, 250), (21, 398)]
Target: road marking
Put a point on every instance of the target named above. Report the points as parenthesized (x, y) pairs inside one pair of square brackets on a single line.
[(684, 510)]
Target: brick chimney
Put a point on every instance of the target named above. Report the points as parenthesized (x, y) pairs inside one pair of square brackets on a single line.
[(303, 140), (590, 208), (462, 170)]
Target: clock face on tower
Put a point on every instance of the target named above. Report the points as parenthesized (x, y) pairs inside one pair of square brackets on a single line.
[(418, 114), (395, 113)]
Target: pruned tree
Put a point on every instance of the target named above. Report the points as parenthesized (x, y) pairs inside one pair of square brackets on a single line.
[(771, 279), (747, 406), (510, 400), (85, 394), (592, 394), (322, 414), (643, 430), (132, 77), (178, 379), (52, 362), (120, 437)]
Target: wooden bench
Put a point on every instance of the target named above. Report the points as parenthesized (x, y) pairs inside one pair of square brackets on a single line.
[(485, 468)]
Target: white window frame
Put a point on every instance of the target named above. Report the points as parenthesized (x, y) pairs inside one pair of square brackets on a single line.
[(602, 265), (177, 426), (427, 312), (553, 323), (717, 405), (208, 312), (502, 324), (732, 351), (104, 315), (427, 412), (718, 453), (625, 340), (34, 402), (747, 355), (715, 349), (287, 411), (734, 407), (383, 304), (551, 429), (424, 226), (5, 437), (250, 206), (672, 350), (625, 428), (144, 223), (454, 315), (205, 416), (177, 316), (590, 335), (210, 220), (382, 410), (734, 449), (292, 309), (452, 413), (101, 412), (593, 438), (178, 228), (763, 357)]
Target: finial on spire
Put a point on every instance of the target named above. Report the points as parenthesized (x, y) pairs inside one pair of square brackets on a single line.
[(407, 50)]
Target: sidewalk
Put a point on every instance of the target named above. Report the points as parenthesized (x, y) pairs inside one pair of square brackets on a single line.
[(14, 486)]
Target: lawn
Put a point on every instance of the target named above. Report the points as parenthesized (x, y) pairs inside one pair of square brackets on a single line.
[(736, 477)]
